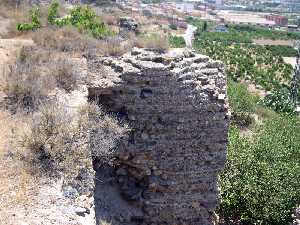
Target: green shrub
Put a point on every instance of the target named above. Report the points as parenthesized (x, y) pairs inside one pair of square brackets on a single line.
[(85, 19), (282, 51), (280, 101), (53, 12), (260, 183), (177, 42), (62, 140), (242, 104), (63, 21), (35, 21), (202, 25), (25, 27), (81, 17), (240, 99), (226, 37), (173, 26)]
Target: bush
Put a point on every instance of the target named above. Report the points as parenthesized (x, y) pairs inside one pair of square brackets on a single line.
[(240, 99), (62, 140), (36, 73), (35, 21), (259, 32), (53, 12), (85, 19), (105, 133), (260, 184), (173, 26), (177, 42), (113, 47), (282, 51), (225, 37), (280, 101), (242, 103), (81, 17), (64, 75), (24, 84), (66, 39)]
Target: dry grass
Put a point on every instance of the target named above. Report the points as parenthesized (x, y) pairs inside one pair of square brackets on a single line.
[(114, 46), (15, 179), (106, 131), (63, 141), (110, 19), (158, 42), (65, 39), (68, 39), (26, 83), (35, 74), (64, 75), (15, 16)]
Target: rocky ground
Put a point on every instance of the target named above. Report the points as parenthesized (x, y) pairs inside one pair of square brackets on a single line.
[(24, 198)]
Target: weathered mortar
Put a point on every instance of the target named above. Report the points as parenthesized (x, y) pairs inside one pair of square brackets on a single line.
[(177, 107)]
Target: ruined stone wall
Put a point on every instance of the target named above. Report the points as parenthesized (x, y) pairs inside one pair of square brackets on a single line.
[(177, 107)]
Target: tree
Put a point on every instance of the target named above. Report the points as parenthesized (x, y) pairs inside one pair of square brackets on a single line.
[(204, 28)]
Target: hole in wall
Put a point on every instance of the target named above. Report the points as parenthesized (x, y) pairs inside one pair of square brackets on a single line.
[(146, 93)]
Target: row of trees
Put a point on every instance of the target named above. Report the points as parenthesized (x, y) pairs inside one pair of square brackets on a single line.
[(249, 62)]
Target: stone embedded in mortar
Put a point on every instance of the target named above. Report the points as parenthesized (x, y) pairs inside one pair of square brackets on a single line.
[(177, 107)]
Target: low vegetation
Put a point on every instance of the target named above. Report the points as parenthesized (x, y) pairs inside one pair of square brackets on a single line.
[(280, 101), (62, 140), (242, 103), (65, 39), (81, 17), (282, 51), (153, 41), (36, 73), (177, 42), (35, 21), (260, 183), (114, 46), (202, 25)]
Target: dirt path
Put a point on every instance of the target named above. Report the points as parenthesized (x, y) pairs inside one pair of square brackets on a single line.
[(274, 42)]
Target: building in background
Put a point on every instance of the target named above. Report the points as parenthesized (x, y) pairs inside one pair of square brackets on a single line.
[(291, 5), (279, 20)]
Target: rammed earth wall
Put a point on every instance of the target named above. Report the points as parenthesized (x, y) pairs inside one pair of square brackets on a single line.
[(177, 107)]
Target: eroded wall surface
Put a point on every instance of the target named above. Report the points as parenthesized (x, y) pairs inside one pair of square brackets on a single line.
[(177, 107)]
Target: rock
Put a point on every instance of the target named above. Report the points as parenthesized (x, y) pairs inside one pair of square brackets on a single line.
[(70, 192), (80, 211), (128, 24), (296, 216)]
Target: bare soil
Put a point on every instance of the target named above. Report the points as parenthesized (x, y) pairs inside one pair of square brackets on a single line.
[(274, 42)]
